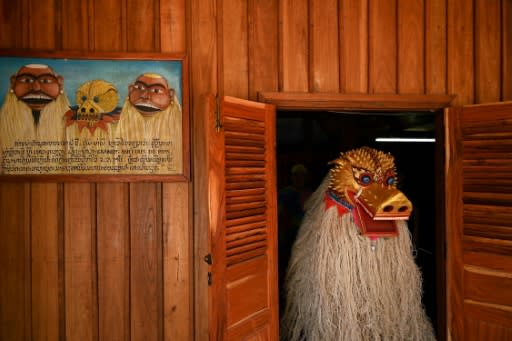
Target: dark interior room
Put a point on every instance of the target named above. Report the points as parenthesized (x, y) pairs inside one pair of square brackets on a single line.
[(309, 140)]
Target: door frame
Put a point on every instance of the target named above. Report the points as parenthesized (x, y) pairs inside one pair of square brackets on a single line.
[(436, 104)]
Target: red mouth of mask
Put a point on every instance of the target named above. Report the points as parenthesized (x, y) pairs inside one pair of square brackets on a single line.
[(370, 223)]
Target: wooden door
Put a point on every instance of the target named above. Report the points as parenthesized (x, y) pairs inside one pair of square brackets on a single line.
[(243, 301), (479, 221)]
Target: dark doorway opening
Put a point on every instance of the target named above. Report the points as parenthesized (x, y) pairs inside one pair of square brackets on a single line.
[(312, 139)]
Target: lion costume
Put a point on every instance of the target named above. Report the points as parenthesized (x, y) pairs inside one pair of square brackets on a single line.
[(352, 275)]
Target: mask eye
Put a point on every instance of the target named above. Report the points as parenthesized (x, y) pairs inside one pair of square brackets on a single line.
[(390, 181), (84, 98), (365, 179)]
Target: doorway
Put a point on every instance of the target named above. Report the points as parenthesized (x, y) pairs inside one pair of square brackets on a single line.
[(308, 140)]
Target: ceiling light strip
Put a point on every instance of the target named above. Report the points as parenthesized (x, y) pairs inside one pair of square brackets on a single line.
[(404, 139)]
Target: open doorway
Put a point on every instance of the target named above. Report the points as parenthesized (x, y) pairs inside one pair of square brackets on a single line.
[(308, 140)]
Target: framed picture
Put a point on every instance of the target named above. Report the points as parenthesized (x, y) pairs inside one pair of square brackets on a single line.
[(90, 115)]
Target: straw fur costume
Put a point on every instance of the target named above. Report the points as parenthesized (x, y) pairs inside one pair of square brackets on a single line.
[(352, 274)]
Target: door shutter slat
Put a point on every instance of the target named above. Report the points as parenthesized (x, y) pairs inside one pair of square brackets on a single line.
[(247, 130), (245, 220), (479, 221), (245, 213), (492, 198), (245, 163), (231, 237), (486, 231), (238, 199), (244, 240)]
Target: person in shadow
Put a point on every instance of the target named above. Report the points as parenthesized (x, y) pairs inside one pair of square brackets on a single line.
[(291, 200)]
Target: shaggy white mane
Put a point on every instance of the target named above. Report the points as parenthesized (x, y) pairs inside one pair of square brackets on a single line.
[(338, 288)]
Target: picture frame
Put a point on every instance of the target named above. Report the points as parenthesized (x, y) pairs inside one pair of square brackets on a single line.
[(72, 115)]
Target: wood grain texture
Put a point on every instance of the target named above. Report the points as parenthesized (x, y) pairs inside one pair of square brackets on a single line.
[(243, 232), (142, 26), (489, 286), (486, 330), (108, 16), (460, 74), (12, 15), (480, 233), (383, 46), (203, 60), (294, 45), (45, 215), (335, 101), (479, 315), (263, 42), (80, 262), (435, 46), (453, 211), (173, 29), (353, 32), (506, 38), (77, 30), (146, 292), (177, 263), (411, 46), (15, 287), (233, 48), (487, 51), (323, 46), (43, 26), (113, 254), (177, 234), (217, 296)]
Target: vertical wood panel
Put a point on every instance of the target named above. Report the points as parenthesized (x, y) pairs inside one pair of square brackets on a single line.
[(177, 234), (383, 46), (506, 27), (324, 51), (203, 61), (80, 260), (353, 46), (293, 38), (453, 218), (173, 33), (113, 261), (487, 51), (45, 217), (263, 46), (146, 261), (14, 262), (11, 16), (460, 51), (435, 46), (108, 18), (411, 51), (76, 25), (234, 74), (177, 263), (143, 26), (42, 24)]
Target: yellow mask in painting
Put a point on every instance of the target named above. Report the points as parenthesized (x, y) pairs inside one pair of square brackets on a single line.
[(95, 98)]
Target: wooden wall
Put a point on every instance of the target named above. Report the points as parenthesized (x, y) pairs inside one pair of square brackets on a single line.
[(109, 261)]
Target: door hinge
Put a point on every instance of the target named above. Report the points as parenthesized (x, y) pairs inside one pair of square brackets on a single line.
[(218, 122)]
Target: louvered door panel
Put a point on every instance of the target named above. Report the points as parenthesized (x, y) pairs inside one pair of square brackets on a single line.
[(244, 276), (245, 141), (479, 199)]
